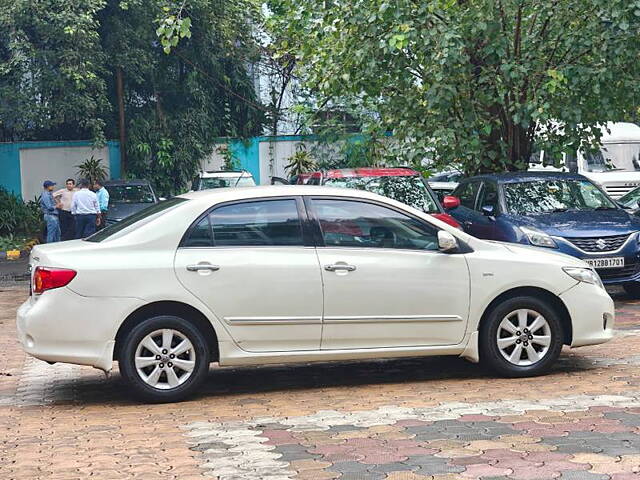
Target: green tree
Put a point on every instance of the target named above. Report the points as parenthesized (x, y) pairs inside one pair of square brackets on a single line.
[(473, 83), (97, 69), (51, 70)]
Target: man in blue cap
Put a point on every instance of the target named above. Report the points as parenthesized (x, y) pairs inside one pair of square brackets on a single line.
[(50, 212)]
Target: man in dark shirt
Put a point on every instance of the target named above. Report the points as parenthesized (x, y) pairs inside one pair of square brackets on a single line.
[(49, 212)]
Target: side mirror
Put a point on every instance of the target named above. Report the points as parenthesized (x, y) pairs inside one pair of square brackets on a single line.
[(488, 210), (450, 202), (447, 243)]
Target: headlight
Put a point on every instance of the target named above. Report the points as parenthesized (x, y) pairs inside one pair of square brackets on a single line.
[(538, 238), (586, 275)]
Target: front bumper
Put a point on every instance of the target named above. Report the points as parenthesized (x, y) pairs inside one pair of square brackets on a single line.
[(630, 251), (62, 326), (592, 314)]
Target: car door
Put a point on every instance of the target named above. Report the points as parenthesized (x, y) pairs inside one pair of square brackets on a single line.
[(487, 208), (385, 282), (466, 213), (249, 263)]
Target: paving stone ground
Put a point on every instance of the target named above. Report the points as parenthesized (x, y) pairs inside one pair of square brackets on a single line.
[(409, 419)]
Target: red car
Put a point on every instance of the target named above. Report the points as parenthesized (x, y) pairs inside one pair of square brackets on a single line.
[(402, 184)]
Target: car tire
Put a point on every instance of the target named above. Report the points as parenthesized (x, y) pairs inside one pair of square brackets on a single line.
[(517, 359), (632, 289), (172, 367)]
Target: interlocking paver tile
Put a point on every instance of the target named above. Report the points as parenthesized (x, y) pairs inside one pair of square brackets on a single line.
[(405, 419)]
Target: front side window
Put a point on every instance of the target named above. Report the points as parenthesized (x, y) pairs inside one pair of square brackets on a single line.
[(489, 196), (615, 157), (350, 223), (545, 196), (410, 190), (467, 194)]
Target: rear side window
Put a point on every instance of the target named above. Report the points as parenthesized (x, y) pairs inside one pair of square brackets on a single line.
[(262, 223)]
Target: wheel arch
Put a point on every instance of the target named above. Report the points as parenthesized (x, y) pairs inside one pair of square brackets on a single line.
[(179, 309), (537, 292)]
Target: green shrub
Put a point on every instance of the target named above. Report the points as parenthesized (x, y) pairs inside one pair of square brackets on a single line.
[(18, 218)]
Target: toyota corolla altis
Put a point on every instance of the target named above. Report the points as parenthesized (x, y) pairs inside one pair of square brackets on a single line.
[(298, 274)]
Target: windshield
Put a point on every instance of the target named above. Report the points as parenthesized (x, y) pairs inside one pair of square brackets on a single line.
[(140, 218), (545, 196), (409, 190), (130, 194), (222, 182), (445, 177), (615, 157), (631, 199)]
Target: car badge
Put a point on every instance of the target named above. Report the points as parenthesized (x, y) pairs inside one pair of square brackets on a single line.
[(601, 244)]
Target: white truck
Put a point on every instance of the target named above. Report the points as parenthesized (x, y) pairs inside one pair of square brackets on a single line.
[(616, 167)]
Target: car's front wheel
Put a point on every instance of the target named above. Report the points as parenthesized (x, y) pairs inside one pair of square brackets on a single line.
[(521, 337), (164, 359)]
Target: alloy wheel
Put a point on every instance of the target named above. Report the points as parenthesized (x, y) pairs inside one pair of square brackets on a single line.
[(523, 337), (165, 359)]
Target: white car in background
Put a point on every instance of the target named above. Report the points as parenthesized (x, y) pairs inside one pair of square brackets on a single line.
[(222, 179), (443, 183), (297, 274)]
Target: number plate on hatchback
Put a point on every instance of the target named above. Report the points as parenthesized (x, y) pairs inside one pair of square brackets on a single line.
[(612, 262)]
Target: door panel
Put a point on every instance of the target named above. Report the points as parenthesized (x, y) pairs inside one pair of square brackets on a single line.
[(247, 262), (269, 299), (385, 282), (393, 298)]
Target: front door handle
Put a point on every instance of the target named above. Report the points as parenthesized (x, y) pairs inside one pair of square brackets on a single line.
[(339, 266), (203, 266)]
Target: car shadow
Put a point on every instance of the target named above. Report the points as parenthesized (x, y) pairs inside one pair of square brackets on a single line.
[(231, 382)]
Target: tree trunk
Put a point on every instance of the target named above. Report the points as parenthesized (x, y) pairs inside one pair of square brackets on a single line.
[(121, 121)]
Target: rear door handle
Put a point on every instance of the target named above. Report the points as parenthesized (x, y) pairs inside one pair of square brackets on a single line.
[(203, 266), (340, 266)]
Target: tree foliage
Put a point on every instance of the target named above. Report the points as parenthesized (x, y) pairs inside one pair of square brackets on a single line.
[(470, 82), (58, 64)]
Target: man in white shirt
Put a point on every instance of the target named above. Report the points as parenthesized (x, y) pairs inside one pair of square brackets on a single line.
[(85, 209), (64, 197)]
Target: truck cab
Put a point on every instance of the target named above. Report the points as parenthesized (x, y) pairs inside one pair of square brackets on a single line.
[(616, 167)]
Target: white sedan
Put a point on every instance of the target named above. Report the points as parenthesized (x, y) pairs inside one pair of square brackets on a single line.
[(297, 274)]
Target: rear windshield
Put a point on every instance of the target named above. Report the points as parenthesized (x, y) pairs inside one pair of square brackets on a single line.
[(140, 218), (223, 182), (410, 190), (130, 194)]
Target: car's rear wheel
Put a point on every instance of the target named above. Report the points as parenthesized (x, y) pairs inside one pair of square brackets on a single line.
[(164, 359), (521, 337), (632, 289)]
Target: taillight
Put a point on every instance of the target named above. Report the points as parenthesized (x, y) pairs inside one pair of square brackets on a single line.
[(46, 278), (446, 218)]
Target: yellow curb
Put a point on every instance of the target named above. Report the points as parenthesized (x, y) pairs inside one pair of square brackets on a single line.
[(13, 254)]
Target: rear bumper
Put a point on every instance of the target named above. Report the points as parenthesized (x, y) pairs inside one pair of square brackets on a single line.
[(62, 326), (588, 307)]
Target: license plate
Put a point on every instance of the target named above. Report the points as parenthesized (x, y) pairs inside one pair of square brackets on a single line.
[(612, 262)]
